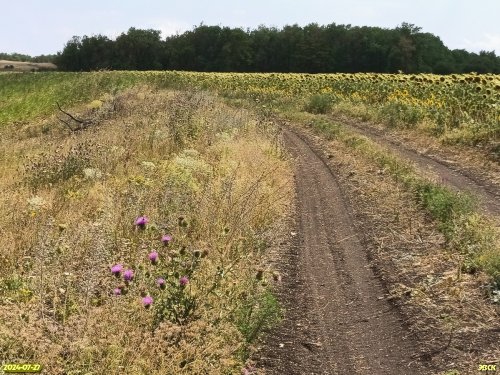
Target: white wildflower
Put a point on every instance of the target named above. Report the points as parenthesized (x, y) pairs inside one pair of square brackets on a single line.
[(92, 173), (36, 202)]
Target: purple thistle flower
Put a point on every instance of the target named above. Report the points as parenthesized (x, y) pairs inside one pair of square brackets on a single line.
[(183, 281), (147, 301), (141, 221), (128, 275), (161, 283), (153, 257), (117, 291), (116, 269), (166, 239)]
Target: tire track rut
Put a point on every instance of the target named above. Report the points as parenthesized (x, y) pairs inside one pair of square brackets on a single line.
[(338, 319), (451, 175)]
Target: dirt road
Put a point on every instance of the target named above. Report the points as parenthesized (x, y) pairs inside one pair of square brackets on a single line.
[(338, 319), (449, 174)]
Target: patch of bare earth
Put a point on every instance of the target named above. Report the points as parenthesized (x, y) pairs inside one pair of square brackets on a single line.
[(339, 319), (368, 287)]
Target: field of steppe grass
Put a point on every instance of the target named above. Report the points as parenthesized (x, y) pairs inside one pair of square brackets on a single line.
[(138, 245), (25, 97)]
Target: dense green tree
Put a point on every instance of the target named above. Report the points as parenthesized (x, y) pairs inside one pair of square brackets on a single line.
[(71, 57), (235, 51), (311, 55), (96, 52), (484, 62), (86, 53), (138, 50), (432, 55), (312, 48), (263, 42)]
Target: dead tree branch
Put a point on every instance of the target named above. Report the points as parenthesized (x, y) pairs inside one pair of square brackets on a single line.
[(82, 124), (67, 124)]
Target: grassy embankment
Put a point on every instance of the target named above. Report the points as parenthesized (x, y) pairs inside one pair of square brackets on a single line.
[(203, 173)]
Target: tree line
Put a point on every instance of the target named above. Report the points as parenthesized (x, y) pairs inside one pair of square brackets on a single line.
[(27, 58), (309, 49)]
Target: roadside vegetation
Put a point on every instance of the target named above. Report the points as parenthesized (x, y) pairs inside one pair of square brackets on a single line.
[(137, 245), (151, 226)]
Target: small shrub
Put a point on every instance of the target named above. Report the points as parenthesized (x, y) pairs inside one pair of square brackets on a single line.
[(319, 103), (477, 241), (398, 114), (260, 312), (329, 129), (355, 141), (444, 205)]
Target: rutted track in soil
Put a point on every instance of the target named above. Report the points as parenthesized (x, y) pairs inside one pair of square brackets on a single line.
[(450, 175), (338, 320)]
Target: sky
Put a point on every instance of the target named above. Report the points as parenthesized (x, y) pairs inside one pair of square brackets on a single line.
[(43, 27)]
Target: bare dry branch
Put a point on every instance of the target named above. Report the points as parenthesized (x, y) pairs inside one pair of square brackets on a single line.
[(82, 124), (67, 124)]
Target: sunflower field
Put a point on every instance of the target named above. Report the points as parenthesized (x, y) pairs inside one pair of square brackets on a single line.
[(460, 108)]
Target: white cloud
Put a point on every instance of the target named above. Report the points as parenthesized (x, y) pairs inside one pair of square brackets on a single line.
[(489, 42), (168, 27)]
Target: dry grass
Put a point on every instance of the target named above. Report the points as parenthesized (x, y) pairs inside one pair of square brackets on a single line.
[(69, 203), (20, 66)]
